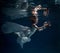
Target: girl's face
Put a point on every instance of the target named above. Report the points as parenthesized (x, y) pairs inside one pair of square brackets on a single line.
[(38, 7)]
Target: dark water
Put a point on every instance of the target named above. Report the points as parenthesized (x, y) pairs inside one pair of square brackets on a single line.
[(47, 41)]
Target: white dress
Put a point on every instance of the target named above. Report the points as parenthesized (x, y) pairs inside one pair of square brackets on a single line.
[(24, 33)]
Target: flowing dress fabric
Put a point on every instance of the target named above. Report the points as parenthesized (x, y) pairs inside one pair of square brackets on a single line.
[(24, 33), (10, 27)]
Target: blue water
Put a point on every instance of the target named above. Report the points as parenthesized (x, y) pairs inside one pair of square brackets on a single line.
[(47, 41)]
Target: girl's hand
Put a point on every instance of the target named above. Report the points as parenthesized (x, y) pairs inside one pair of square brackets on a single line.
[(47, 24), (46, 12)]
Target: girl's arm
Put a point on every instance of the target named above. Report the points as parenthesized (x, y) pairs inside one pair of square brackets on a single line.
[(42, 27)]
